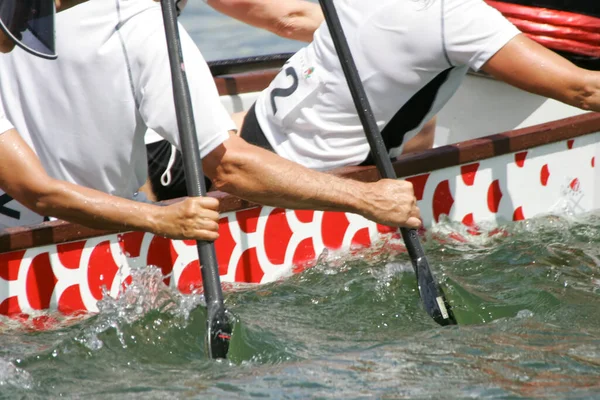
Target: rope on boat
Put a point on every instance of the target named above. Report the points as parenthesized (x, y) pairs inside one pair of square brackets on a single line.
[(558, 30)]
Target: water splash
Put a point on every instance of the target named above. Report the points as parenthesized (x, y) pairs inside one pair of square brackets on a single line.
[(147, 292), (11, 376), (354, 327)]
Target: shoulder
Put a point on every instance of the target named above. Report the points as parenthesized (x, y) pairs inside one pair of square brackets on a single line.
[(141, 29)]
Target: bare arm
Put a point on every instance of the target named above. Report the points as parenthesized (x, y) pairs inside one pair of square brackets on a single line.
[(23, 177), (422, 140), (263, 177), (291, 19), (532, 67), (62, 5)]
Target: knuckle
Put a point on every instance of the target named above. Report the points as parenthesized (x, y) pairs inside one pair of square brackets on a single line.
[(407, 184)]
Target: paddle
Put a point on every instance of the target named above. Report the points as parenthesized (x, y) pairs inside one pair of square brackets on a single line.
[(432, 295), (219, 326)]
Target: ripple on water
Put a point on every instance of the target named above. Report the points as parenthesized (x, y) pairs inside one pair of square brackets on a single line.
[(12, 378), (352, 327)]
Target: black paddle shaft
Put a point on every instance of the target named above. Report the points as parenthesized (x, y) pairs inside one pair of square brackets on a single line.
[(218, 321), (432, 295)]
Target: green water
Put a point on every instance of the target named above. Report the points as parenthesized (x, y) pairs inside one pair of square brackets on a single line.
[(351, 328)]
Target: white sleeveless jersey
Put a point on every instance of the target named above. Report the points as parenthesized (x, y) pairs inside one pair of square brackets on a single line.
[(86, 113), (411, 55)]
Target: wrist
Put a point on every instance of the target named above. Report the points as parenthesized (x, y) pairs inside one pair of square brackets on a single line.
[(357, 197), (153, 219)]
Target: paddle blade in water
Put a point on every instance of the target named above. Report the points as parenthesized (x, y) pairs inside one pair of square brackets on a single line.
[(433, 298), (219, 327), (432, 295), (218, 335)]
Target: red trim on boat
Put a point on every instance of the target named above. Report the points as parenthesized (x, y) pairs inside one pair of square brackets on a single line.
[(471, 151), (412, 164)]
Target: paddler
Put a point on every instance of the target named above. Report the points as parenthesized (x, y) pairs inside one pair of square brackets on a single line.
[(412, 56), (109, 85), (291, 19), (30, 25)]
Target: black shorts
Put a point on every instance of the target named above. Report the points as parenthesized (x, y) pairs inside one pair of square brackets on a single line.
[(167, 183), (252, 132)]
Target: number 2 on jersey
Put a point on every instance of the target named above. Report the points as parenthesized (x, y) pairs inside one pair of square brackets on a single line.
[(284, 92), (292, 88)]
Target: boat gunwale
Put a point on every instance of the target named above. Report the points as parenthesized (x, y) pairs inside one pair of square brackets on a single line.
[(57, 232)]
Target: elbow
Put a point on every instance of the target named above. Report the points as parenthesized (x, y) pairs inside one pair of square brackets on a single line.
[(226, 174), (224, 179), (289, 26), (35, 201), (41, 202), (587, 93), (234, 167), (42, 206), (40, 198), (583, 98), (282, 27)]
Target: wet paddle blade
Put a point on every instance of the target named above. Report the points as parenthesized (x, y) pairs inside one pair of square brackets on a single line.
[(218, 335), (219, 327), (431, 294), (433, 297)]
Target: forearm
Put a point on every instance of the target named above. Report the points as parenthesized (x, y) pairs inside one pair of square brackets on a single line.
[(263, 177), (422, 140), (291, 19), (191, 218), (282, 183), (23, 178), (92, 208), (530, 66)]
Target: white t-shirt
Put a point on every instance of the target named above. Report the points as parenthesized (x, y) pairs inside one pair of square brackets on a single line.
[(411, 55), (86, 114), (5, 124)]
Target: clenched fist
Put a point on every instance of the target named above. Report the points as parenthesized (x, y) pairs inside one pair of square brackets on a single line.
[(391, 202), (192, 218)]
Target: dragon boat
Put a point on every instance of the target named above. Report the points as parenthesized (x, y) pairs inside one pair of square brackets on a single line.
[(501, 155)]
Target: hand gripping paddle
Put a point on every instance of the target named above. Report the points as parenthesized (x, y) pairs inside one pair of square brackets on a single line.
[(431, 293), (218, 320)]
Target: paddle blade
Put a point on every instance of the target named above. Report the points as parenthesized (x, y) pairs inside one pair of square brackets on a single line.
[(218, 335), (432, 295)]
